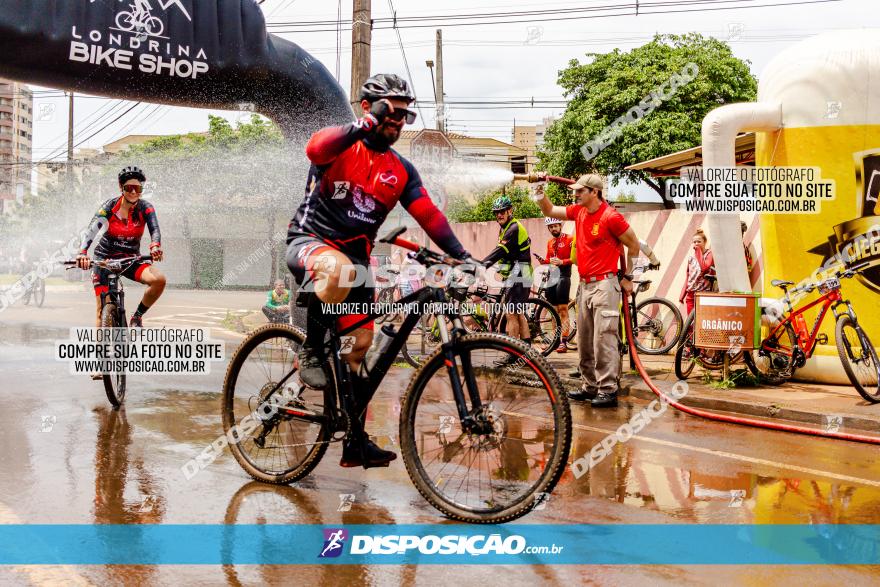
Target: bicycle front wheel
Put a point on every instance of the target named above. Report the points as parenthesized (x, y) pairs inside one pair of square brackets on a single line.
[(114, 384), (658, 326), (510, 462), (40, 292), (859, 358), (286, 442)]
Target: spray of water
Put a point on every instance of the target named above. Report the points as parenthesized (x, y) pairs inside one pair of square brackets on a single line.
[(467, 179)]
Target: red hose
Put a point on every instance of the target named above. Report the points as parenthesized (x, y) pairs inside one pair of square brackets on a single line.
[(723, 417), (557, 179)]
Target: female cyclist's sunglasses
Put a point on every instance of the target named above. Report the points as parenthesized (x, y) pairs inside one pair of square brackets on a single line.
[(133, 188), (399, 114)]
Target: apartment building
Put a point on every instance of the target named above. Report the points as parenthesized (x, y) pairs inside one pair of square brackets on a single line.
[(16, 136)]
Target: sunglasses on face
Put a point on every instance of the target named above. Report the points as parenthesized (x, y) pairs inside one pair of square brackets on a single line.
[(133, 188), (400, 113)]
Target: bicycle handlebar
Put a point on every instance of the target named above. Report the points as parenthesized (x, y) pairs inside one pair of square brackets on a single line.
[(106, 262)]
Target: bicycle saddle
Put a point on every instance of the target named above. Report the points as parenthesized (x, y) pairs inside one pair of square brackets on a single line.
[(781, 283)]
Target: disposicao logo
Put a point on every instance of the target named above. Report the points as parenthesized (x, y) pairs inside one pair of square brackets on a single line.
[(334, 540)]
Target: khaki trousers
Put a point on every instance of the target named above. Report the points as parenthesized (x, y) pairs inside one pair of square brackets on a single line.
[(598, 318)]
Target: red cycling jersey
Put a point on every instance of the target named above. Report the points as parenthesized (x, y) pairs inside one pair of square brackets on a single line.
[(560, 247), (353, 185)]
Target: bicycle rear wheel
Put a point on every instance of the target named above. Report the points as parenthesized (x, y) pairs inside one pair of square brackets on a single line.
[(859, 358), (572, 325), (658, 326), (504, 471), (423, 340), (283, 444), (688, 356), (114, 384), (772, 363), (545, 327)]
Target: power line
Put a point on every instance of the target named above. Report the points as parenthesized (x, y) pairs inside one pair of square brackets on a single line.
[(626, 9), (406, 64), (338, 38)]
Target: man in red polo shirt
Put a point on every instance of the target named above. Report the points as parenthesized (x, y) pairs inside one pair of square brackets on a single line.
[(600, 233)]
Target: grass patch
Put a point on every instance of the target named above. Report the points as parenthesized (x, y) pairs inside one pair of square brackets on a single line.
[(737, 378), (402, 365), (233, 322)]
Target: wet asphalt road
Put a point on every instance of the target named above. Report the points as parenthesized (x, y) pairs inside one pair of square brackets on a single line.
[(67, 458)]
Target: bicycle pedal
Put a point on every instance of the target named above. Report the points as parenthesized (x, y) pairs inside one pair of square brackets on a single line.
[(822, 338)]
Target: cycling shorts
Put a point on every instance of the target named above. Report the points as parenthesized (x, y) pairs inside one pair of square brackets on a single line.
[(519, 288), (101, 276), (560, 292), (303, 252)]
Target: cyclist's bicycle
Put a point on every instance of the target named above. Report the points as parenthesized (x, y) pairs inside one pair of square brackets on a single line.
[(113, 314), (37, 291), (511, 425), (791, 342), (545, 326)]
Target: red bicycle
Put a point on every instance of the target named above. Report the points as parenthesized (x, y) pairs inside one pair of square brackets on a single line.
[(791, 342)]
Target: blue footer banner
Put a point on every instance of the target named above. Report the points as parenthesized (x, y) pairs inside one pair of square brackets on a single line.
[(532, 544)]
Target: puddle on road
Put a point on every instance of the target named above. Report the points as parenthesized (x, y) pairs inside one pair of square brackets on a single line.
[(632, 475), (30, 334)]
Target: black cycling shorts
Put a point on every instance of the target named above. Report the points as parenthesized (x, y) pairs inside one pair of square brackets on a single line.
[(519, 288), (101, 276), (560, 292), (301, 254)]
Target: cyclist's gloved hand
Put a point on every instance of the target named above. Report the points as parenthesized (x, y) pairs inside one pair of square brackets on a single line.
[(380, 109), (654, 266), (83, 261)]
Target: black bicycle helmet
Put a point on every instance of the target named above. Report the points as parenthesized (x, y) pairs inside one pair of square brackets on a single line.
[(385, 85), (132, 172)]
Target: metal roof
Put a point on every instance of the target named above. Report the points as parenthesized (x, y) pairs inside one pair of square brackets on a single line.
[(670, 165)]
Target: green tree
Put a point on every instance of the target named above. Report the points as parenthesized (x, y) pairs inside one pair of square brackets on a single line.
[(459, 210), (608, 85), (624, 197)]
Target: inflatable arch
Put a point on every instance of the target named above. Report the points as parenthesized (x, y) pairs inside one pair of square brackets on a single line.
[(197, 53)]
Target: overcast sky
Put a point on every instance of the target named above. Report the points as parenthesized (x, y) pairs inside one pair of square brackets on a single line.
[(484, 62)]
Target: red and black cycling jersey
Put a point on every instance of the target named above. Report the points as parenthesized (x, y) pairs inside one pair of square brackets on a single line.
[(353, 185), (560, 247), (123, 235)]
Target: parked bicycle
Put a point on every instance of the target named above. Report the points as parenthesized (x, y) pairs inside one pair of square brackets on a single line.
[(511, 425), (482, 313), (791, 343), (688, 355), (113, 315), (36, 291)]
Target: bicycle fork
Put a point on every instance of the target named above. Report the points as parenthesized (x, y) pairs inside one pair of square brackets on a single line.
[(468, 423)]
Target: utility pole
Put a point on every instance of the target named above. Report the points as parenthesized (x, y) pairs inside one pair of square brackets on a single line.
[(361, 31), (68, 175), (70, 133), (438, 98)]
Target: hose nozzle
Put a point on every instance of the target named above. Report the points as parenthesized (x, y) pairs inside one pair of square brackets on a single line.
[(529, 177)]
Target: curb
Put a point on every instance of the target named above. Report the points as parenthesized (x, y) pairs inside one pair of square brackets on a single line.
[(634, 387)]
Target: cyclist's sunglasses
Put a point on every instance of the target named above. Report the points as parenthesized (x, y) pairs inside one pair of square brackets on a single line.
[(133, 188), (399, 113)]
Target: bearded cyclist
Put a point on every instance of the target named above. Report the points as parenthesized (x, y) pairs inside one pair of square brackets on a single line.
[(125, 218), (515, 267), (559, 249), (355, 180)]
